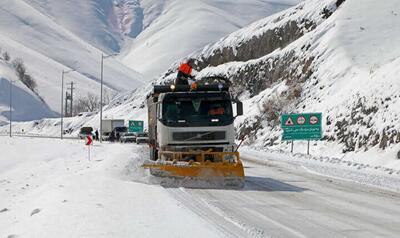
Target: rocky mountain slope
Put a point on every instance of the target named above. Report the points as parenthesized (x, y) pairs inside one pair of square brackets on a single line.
[(173, 29), (330, 56), (333, 57)]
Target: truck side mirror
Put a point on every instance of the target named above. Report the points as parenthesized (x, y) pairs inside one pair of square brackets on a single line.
[(239, 108)]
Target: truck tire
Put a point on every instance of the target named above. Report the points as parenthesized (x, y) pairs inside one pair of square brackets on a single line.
[(153, 154)]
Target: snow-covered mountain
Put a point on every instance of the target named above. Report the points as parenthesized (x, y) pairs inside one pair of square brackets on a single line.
[(152, 34), (334, 57), (47, 48), (92, 20), (174, 28), (330, 56), (54, 35)]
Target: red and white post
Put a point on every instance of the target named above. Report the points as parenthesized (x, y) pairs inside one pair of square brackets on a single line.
[(88, 142)]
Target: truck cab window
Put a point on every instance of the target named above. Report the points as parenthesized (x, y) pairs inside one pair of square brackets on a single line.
[(201, 111)]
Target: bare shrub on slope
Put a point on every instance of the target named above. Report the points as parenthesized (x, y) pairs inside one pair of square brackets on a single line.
[(20, 70)]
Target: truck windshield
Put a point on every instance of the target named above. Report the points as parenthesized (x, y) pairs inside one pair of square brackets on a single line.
[(197, 112)]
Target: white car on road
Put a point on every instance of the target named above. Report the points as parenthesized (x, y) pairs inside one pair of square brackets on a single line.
[(142, 137)]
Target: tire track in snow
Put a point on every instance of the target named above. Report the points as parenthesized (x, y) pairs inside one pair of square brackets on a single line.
[(229, 224)]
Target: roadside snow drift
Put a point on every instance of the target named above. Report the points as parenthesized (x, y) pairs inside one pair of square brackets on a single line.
[(49, 188)]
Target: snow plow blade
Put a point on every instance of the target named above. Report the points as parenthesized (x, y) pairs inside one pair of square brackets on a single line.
[(204, 170)]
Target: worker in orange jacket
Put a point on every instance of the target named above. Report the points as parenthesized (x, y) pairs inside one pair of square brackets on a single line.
[(184, 73)]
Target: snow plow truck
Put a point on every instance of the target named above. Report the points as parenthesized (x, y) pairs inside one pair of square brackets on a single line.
[(192, 136)]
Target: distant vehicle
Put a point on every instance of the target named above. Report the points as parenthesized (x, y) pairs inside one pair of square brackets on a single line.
[(85, 131), (106, 135), (142, 137), (68, 131), (116, 133), (108, 126), (128, 137)]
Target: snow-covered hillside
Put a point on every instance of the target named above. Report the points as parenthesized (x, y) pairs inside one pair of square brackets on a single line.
[(47, 48), (91, 20), (175, 28), (152, 34), (334, 57), (22, 110), (54, 35), (329, 56)]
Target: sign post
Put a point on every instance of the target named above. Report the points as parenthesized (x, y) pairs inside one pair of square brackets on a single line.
[(88, 142), (291, 147), (304, 126), (135, 126)]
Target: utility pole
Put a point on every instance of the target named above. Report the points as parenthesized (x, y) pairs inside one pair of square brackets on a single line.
[(62, 104), (66, 103), (11, 84), (101, 101), (62, 101), (71, 98), (101, 94)]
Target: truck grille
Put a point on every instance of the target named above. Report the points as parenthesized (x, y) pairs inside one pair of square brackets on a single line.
[(198, 135)]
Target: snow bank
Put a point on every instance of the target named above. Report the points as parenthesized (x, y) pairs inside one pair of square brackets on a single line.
[(50, 189), (367, 171)]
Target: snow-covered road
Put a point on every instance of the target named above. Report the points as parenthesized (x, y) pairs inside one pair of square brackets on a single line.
[(48, 188), (284, 200)]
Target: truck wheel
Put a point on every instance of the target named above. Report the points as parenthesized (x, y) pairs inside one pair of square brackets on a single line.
[(153, 154)]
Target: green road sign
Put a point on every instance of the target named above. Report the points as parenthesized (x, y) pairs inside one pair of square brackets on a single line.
[(135, 126), (305, 126)]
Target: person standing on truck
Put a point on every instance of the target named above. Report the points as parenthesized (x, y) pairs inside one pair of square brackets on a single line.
[(185, 73)]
